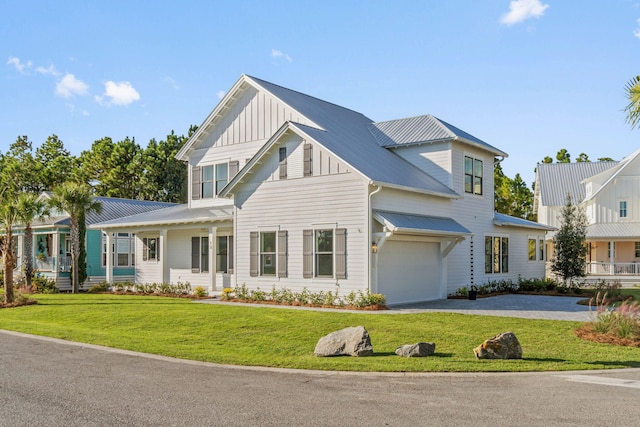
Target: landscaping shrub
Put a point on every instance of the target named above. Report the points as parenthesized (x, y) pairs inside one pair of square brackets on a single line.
[(622, 321), (100, 287), (200, 292)]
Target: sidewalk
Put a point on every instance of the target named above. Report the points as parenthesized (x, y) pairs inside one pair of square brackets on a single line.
[(513, 305)]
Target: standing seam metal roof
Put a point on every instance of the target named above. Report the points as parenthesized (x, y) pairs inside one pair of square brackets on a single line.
[(558, 179)]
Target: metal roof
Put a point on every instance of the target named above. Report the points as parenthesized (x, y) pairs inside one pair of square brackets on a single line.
[(503, 220), (555, 180), (421, 130), (419, 224), (177, 214), (617, 230)]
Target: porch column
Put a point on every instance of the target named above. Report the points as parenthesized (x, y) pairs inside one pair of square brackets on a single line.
[(164, 255), (212, 257), (109, 256), (612, 261)]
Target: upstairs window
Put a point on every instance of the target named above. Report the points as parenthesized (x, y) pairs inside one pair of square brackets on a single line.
[(283, 162), (207, 181), (623, 209), (472, 175)]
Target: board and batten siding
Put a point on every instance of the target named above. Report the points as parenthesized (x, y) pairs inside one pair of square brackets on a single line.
[(434, 159), (294, 205), (605, 208)]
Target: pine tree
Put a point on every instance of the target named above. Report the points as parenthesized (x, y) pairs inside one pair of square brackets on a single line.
[(570, 257)]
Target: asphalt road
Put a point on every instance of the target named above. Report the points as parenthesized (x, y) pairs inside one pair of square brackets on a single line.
[(46, 382)]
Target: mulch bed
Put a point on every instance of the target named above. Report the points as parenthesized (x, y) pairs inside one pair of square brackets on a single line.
[(17, 304), (297, 304), (587, 332)]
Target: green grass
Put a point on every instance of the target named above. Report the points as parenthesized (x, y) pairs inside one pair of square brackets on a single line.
[(261, 336)]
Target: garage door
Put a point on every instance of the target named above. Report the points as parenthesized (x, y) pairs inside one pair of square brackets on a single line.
[(409, 271)]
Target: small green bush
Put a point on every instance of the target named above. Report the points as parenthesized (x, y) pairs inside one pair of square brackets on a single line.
[(200, 292), (100, 287)]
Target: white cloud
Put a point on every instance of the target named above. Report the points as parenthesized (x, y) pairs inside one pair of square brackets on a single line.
[(278, 54), (69, 85), (636, 32), (521, 10), (49, 70), (19, 65), (120, 93), (220, 94)]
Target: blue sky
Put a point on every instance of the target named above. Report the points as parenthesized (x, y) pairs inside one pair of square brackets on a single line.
[(528, 76)]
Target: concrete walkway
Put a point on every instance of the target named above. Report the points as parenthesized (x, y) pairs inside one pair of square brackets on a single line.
[(523, 306)]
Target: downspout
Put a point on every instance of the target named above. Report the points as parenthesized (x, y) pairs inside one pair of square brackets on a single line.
[(370, 234)]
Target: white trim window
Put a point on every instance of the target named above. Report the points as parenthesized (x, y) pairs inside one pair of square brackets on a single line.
[(268, 253), (324, 253), (224, 254), (123, 250), (207, 181), (151, 249), (496, 254), (473, 175), (622, 211), (199, 254), (532, 250)]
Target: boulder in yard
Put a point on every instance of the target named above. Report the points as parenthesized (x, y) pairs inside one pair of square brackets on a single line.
[(502, 346), (352, 341), (419, 349)]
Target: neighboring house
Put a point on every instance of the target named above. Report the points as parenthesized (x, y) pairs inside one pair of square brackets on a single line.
[(52, 244), (294, 192), (609, 192)]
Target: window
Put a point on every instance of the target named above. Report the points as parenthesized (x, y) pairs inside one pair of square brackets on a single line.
[(541, 249), (199, 254), (268, 253), (496, 254), (208, 181), (222, 176), (151, 249), (283, 162), (472, 175), (623, 209), (224, 254), (532, 249), (324, 253), (637, 244), (123, 250)]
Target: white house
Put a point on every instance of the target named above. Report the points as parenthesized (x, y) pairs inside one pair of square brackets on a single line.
[(291, 191), (609, 192)]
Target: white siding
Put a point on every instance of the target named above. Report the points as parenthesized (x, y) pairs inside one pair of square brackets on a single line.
[(434, 159), (330, 201), (147, 271), (606, 208)]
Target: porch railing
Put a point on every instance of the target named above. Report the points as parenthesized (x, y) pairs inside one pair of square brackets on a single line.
[(616, 269), (65, 264)]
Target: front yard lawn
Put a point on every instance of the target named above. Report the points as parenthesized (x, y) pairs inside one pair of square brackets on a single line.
[(277, 337)]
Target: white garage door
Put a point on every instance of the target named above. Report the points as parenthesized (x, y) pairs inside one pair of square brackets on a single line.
[(409, 271)]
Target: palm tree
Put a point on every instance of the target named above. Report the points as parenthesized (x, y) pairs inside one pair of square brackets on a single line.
[(30, 207), (8, 217), (633, 108), (76, 200)]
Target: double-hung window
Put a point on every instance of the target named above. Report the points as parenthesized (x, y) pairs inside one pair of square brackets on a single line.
[(496, 254), (268, 253), (208, 181), (199, 254), (224, 254), (623, 209), (472, 175), (324, 253), (151, 249), (123, 250), (532, 249)]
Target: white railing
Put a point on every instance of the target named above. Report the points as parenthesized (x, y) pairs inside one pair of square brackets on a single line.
[(616, 269), (65, 264)]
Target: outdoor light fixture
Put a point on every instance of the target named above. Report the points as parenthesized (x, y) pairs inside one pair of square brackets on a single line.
[(374, 247)]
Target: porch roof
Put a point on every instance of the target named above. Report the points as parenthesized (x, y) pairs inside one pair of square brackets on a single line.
[(174, 215), (503, 220), (617, 230), (419, 224)]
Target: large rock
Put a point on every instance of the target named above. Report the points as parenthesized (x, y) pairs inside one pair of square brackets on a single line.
[(353, 341), (420, 349), (502, 346)]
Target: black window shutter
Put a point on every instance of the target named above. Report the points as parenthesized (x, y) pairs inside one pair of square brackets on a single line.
[(283, 162), (308, 159), (195, 183), (234, 166), (282, 253), (307, 254), (254, 239), (341, 253), (195, 254)]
